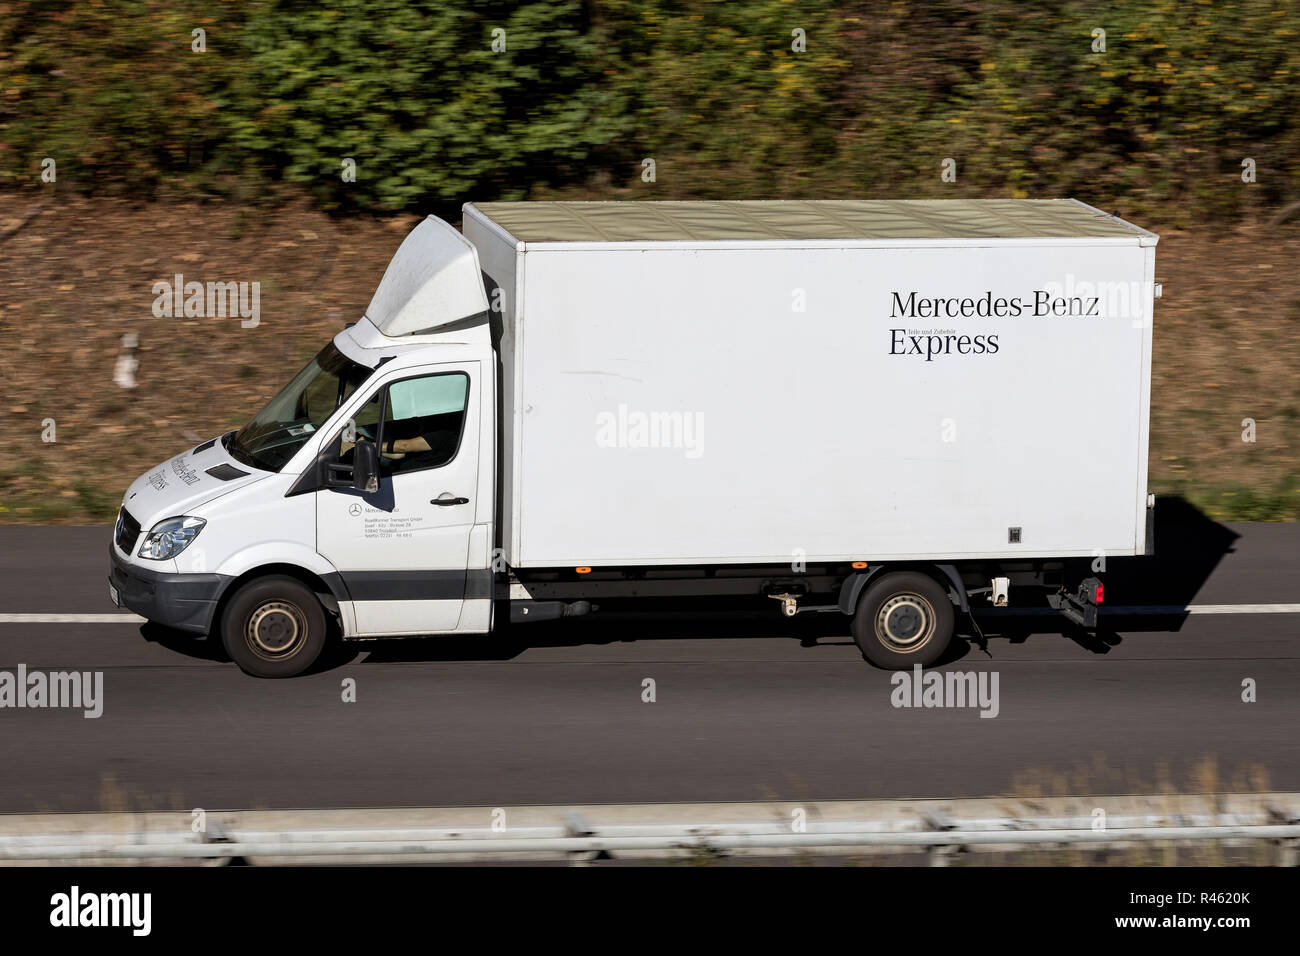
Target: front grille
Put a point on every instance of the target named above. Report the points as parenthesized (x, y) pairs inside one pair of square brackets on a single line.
[(127, 530)]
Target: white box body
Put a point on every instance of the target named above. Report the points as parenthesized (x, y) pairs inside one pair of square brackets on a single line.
[(795, 420)]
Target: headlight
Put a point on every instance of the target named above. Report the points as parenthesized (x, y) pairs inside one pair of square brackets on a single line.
[(170, 537)]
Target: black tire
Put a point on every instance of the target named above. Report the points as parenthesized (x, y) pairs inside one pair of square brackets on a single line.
[(903, 618), (274, 627)]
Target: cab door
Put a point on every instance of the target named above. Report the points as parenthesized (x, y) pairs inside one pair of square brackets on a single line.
[(402, 551)]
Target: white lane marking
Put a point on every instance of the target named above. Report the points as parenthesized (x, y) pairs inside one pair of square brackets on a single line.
[(1112, 609), (71, 619), (1212, 609), (1126, 609)]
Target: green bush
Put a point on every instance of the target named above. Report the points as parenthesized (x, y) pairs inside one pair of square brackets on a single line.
[(1183, 92), (720, 99), (414, 93), (113, 93), (417, 96)]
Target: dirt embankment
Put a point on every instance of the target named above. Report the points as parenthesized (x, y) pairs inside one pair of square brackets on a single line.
[(76, 276)]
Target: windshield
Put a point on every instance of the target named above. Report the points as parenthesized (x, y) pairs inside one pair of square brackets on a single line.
[(277, 432)]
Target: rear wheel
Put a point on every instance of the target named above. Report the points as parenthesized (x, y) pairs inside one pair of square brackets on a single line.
[(274, 627), (903, 618)]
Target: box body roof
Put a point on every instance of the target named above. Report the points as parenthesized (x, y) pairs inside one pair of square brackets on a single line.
[(806, 220)]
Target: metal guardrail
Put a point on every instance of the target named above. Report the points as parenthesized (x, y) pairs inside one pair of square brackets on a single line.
[(577, 840)]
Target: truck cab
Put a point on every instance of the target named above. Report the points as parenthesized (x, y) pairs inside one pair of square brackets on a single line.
[(377, 455)]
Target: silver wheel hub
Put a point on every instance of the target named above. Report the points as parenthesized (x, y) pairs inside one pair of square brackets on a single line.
[(275, 628), (905, 621)]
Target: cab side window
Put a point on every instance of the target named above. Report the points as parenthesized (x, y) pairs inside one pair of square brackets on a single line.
[(423, 421)]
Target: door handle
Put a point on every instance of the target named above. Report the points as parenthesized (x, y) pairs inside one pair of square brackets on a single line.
[(446, 499)]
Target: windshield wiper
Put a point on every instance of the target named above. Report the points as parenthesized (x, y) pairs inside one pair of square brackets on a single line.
[(241, 454)]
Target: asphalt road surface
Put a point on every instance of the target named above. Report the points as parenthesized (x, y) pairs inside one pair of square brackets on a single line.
[(747, 707)]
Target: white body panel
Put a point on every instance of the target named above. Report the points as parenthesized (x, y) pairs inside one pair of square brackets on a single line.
[(375, 540), (807, 438), (369, 549)]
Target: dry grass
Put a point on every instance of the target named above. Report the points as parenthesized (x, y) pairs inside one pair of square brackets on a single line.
[(1227, 348), (79, 275)]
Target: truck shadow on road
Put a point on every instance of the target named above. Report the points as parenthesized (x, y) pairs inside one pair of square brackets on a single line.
[(1188, 547), (627, 624)]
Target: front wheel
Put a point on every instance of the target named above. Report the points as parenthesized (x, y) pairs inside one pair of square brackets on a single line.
[(274, 627), (903, 618)]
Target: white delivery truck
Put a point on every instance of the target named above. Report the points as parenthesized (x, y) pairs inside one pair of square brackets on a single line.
[(889, 409)]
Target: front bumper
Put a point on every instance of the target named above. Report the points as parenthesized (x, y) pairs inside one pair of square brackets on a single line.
[(182, 601)]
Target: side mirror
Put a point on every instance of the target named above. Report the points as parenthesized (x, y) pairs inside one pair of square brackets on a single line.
[(365, 466)]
